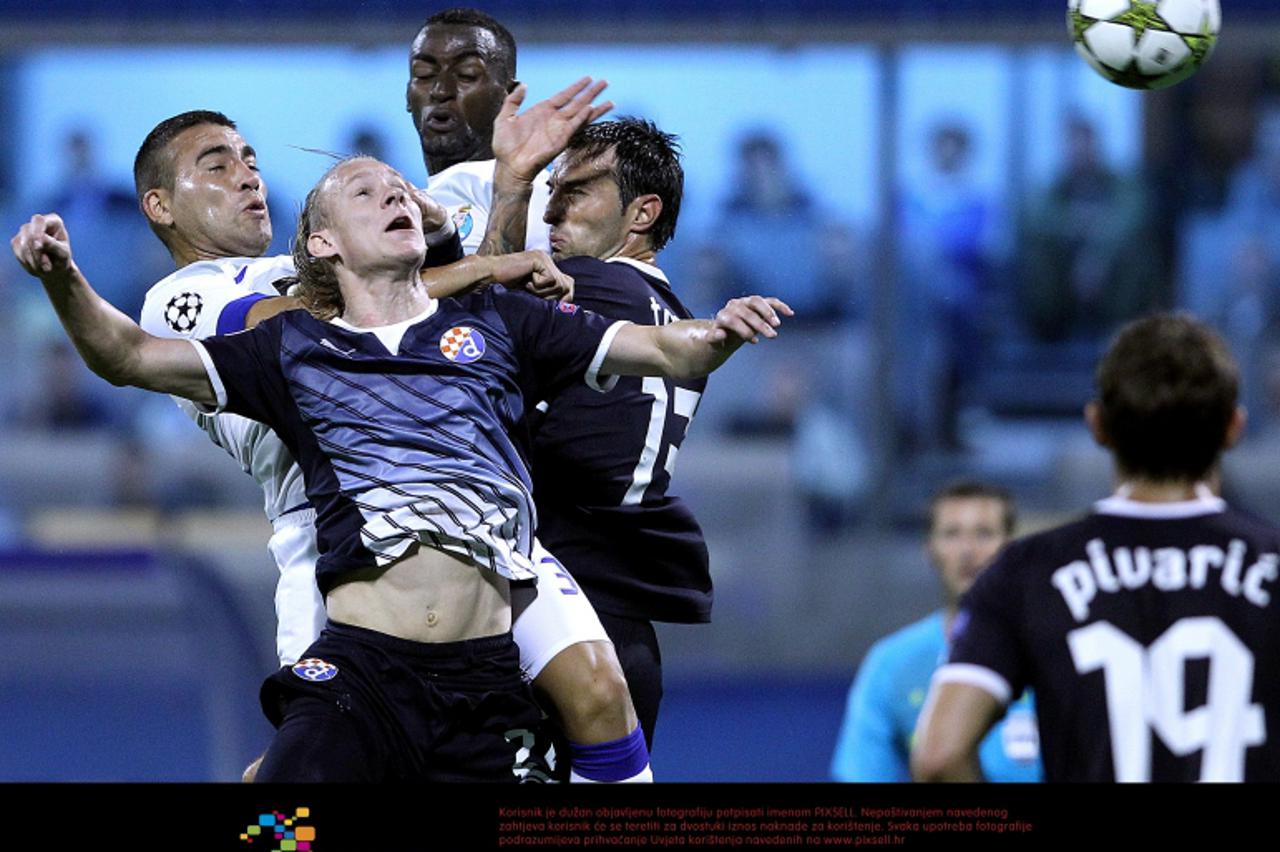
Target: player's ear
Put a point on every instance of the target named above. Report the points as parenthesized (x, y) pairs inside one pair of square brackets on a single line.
[(320, 244), (1093, 419), (644, 211), (155, 206), (1235, 428)]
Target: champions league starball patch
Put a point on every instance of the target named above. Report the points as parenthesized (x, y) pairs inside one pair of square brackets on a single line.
[(462, 344), (182, 311), (315, 670)]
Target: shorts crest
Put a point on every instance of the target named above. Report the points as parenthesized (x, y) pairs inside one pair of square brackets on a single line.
[(315, 670)]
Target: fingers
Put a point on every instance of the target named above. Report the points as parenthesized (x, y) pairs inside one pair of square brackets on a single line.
[(567, 94), (547, 281), (434, 213), (597, 111), (41, 245), (580, 107), (511, 103), (752, 316), (779, 305)]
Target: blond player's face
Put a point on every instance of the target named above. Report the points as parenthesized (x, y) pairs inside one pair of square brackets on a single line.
[(219, 201), (967, 534), (373, 221)]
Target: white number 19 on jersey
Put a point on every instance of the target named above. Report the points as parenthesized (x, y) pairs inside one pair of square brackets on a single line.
[(1145, 691)]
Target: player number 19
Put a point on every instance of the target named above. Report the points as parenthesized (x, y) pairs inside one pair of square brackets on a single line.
[(1145, 689)]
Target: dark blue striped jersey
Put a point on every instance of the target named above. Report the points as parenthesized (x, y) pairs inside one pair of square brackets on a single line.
[(408, 440), (1148, 634), (602, 465)]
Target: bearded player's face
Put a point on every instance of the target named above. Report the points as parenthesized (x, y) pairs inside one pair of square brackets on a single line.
[(457, 82)]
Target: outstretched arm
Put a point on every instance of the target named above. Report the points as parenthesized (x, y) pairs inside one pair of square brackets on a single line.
[(111, 344), (531, 270), (693, 348), (524, 145)]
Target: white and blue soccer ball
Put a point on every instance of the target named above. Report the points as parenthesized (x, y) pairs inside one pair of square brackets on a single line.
[(1144, 44)]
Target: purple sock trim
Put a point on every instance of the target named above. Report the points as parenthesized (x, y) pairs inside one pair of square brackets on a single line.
[(616, 760)]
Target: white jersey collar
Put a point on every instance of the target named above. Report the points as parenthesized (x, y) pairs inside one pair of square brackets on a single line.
[(1205, 503), (392, 334), (647, 268)]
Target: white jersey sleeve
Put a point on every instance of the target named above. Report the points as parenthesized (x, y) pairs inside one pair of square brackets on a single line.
[(214, 297), (466, 190)]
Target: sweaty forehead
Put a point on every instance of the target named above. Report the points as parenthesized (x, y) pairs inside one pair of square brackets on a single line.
[(187, 146), (580, 169), (354, 171), (447, 42)]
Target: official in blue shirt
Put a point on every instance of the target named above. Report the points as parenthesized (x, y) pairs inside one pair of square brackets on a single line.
[(968, 524)]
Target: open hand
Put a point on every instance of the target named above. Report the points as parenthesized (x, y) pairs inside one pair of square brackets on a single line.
[(525, 144)]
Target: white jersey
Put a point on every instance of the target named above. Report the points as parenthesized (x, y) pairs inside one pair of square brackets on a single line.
[(466, 190), (212, 297)]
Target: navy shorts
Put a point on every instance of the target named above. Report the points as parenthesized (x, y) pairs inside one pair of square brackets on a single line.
[(364, 706)]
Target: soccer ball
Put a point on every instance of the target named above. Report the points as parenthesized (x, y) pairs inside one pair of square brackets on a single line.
[(1144, 44)]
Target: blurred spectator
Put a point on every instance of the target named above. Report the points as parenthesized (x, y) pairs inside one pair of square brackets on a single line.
[(1229, 269), (764, 186), (86, 193), (63, 401), (948, 226), (103, 214), (368, 140), (770, 229), (1088, 262)]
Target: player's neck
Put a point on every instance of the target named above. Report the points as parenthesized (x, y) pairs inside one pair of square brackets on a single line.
[(382, 298), (637, 249), (1165, 491), (185, 254), (949, 611), (435, 165)]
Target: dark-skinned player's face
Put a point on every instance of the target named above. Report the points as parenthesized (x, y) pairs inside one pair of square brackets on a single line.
[(458, 77)]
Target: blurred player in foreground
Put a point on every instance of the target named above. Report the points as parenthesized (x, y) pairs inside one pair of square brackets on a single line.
[(968, 524), (400, 423), (1145, 628)]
